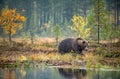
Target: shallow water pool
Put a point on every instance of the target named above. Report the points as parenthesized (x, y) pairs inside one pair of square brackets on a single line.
[(56, 73)]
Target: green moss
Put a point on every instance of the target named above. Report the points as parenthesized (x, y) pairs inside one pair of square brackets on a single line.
[(27, 64), (88, 65), (49, 45), (103, 51)]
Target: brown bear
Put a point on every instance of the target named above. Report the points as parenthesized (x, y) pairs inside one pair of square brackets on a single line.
[(71, 44)]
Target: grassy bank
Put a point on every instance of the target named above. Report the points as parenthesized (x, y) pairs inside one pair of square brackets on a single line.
[(44, 52)]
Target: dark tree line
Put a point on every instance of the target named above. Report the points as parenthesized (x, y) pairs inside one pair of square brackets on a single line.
[(43, 15), (48, 11)]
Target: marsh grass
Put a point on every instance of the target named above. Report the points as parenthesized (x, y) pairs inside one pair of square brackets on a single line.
[(44, 52), (93, 61)]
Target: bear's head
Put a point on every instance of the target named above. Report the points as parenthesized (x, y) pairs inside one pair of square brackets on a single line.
[(82, 44)]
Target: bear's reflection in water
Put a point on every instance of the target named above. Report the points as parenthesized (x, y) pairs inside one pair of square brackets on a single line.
[(68, 73)]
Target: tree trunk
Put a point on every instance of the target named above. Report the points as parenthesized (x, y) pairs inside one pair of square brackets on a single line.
[(32, 40), (57, 40), (98, 19), (32, 37), (10, 39)]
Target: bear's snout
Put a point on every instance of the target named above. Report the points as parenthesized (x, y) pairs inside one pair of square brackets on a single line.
[(86, 48)]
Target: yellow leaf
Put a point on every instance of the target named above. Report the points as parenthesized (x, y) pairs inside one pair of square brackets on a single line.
[(23, 58), (22, 18), (10, 20), (79, 25)]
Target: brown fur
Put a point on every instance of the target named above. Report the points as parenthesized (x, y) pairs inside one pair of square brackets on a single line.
[(69, 44)]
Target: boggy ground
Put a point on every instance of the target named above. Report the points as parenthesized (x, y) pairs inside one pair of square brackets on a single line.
[(44, 52)]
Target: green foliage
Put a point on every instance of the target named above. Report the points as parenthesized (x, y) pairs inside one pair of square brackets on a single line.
[(105, 52), (93, 24), (79, 26), (49, 45), (102, 51), (99, 6), (93, 62), (57, 32), (107, 32), (104, 26)]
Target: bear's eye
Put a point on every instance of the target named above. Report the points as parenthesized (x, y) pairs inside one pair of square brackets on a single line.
[(83, 42)]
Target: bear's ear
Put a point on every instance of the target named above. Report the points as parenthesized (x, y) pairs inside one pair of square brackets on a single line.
[(79, 38), (79, 41)]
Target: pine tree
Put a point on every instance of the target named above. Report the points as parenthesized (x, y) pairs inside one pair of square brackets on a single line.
[(97, 19)]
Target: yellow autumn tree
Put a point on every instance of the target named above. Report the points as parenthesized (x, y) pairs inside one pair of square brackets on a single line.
[(11, 20), (79, 25)]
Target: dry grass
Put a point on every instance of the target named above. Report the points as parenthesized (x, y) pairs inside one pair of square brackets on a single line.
[(39, 41), (44, 50)]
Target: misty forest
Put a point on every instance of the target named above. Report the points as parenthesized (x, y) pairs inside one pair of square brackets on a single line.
[(31, 32)]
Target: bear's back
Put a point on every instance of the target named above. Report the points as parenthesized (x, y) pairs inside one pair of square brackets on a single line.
[(65, 45)]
